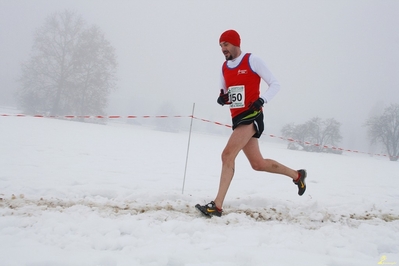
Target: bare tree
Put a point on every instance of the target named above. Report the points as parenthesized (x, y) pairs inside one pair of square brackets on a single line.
[(322, 133), (298, 134), (95, 71), (384, 129), (71, 70)]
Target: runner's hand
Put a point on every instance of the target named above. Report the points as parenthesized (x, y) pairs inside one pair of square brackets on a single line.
[(223, 98), (257, 105)]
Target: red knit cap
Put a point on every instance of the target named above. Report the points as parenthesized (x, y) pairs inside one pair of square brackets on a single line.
[(230, 36)]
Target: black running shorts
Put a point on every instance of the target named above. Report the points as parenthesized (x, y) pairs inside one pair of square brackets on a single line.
[(250, 117)]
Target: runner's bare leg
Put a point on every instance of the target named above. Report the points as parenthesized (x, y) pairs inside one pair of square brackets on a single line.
[(238, 139), (258, 163), (241, 139)]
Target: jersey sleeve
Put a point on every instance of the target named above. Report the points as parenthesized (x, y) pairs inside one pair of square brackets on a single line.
[(222, 82), (260, 67)]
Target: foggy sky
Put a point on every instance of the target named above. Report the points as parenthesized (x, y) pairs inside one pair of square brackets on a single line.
[(333, 59)]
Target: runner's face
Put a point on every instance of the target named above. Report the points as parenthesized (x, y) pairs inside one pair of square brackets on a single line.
[(230, 51)]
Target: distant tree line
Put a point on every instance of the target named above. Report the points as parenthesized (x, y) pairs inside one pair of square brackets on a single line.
[(72, 69), (318, 135), (314, 135)]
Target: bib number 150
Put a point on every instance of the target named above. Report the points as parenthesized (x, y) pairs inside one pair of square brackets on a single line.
[(237, 96)]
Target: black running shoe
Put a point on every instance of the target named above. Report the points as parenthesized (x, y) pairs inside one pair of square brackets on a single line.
[(300, 182), (209, 209)]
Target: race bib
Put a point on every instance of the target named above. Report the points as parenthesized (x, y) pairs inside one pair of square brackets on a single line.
[(237, 96)]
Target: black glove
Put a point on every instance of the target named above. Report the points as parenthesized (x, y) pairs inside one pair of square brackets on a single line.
[(257, 105), (223, 98)]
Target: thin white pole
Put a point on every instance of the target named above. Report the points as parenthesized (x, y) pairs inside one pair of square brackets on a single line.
[(188, 148)]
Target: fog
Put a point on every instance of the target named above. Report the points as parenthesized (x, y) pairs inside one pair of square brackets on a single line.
[(333, 59)]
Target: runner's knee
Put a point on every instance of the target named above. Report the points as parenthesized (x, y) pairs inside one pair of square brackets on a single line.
[(227, 156), (257, 165)]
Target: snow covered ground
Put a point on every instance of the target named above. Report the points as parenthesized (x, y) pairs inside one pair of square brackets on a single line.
[(84, 194)]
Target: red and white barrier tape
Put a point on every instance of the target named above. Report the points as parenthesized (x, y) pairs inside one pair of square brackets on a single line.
[(93, 116), (181, 116), (300, 142), (209, 121)]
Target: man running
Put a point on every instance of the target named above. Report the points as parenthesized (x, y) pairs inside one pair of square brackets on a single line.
[(241, 76)]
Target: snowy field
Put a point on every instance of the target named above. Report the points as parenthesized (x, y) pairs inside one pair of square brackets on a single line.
[(84, 194)]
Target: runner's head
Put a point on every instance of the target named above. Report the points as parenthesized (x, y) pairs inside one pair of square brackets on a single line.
[(230, 36), (230, 43)]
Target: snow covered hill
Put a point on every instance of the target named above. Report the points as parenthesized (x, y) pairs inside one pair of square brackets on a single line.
[(87, 194)]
